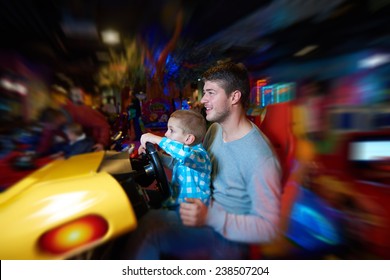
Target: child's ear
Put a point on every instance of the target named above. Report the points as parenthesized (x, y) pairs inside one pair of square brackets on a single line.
[(189, 139)]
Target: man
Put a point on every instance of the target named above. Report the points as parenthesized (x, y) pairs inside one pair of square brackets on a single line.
[(245, 179)]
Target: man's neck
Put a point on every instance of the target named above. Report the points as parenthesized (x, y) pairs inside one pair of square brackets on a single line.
[(235, 127)]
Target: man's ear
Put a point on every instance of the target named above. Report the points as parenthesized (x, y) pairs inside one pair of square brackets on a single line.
[(236, 96), (189, 139)]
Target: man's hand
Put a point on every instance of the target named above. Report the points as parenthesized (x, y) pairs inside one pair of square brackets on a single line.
[(193, 212)]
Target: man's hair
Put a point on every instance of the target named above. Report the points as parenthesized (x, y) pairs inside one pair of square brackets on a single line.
[(191, 122), (231, 76)]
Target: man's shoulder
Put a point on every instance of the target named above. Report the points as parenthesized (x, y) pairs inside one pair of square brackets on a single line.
[(257, 142), (214, 125), (213, 128), (211, 134)]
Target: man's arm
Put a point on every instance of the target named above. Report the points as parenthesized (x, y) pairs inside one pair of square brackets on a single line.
[(259, 226), (102, 131)]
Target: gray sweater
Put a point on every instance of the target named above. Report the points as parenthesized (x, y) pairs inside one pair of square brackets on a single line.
[(246, 186)]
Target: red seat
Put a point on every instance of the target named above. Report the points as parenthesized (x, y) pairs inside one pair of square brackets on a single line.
[(277, 126)]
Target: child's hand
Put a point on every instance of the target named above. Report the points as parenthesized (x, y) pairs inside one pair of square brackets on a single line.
[(149, 137), (141, 150)]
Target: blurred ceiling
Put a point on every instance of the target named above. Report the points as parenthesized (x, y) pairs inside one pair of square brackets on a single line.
[(65, 34)]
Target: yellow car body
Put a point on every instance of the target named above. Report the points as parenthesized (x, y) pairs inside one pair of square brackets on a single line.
[(63, 209)]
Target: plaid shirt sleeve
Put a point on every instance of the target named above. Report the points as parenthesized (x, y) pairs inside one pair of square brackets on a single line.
[(193, 157), (193, 180)]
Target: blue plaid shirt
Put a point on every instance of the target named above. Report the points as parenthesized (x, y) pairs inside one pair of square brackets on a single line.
[(191, 171)]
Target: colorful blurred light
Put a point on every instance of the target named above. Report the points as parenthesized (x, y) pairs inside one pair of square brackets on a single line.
[(73, 234)]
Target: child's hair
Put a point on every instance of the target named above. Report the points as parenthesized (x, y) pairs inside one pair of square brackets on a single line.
[(191, 122), (75, 128)]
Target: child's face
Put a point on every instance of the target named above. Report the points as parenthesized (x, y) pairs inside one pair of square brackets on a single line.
[(71, 135), (175, 132)]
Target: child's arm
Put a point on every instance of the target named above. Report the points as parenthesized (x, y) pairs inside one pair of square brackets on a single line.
[(194, 158), (148, 137)]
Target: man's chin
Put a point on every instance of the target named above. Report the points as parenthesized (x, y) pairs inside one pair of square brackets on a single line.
[(209, 118)]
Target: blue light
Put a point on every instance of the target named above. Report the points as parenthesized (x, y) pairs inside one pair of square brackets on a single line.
[(313, 224)]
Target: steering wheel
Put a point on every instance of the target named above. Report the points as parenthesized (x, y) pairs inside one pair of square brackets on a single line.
[(156, 169)]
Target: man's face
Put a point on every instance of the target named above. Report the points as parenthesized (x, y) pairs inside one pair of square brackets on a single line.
[(216, 102)]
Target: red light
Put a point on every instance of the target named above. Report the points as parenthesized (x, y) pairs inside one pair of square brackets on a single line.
[(73, 234), (261, 83)]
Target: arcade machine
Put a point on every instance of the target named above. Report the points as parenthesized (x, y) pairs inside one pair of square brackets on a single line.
[(350, 169), (155, 114), (309, 226), (17, 140), (264, 94), (256, 108)]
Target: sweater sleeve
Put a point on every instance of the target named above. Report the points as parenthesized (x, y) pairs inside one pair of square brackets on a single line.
[(259, 226)]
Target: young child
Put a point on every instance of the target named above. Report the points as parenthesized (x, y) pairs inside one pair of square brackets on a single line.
[(78, 143), (190, 163)]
